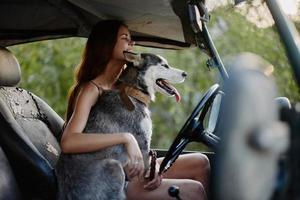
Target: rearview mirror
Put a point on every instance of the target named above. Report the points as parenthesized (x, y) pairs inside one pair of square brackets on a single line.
[(195, 18)]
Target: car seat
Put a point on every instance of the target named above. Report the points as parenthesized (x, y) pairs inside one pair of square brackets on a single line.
[(29, 133), (8, 185)]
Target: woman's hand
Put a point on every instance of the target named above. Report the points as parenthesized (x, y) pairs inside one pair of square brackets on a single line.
[(135, 165), (155, 182)]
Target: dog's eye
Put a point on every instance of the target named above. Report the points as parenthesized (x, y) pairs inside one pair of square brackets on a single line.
[(165, 65)]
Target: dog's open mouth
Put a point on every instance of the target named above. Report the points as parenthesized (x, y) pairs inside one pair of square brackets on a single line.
[(170, 89)]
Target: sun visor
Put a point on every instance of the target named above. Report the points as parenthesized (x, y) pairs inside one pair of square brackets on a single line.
[(152, 23), (155, 23)]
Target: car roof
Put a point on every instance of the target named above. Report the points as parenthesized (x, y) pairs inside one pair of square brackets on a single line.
[(155, 23)]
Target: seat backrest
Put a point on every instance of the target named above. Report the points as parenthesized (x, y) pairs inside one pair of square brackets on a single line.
[(29, 133)]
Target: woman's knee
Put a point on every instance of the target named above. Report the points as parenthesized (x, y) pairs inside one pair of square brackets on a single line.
[(195, 190), (201, 160)]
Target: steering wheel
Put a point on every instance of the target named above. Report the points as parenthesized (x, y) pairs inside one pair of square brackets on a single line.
[(193, 130)]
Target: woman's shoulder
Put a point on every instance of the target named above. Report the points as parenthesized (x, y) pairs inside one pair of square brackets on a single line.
[(89, 92), (91, 87)]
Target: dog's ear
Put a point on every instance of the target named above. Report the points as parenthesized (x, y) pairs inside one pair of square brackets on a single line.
[(132, 57)]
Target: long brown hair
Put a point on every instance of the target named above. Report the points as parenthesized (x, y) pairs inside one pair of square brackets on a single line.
[(97, 52)]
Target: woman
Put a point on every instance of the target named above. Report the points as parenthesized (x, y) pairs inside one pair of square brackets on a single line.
[(101, 65)]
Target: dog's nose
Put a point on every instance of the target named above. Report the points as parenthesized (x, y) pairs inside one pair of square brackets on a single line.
[(184, 74)]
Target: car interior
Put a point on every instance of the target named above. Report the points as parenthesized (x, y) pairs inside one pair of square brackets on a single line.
[(30, 130), (32, 137)]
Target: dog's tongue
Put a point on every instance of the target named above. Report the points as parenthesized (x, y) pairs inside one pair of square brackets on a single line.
[(177, 95), (172, 90)]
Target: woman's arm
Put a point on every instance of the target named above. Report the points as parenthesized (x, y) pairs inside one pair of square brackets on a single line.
[(73, 140)]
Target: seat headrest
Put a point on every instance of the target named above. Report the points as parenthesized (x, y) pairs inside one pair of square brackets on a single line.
[(10, 72)]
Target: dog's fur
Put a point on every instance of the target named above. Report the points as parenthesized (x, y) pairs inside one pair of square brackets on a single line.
[(100, 175)]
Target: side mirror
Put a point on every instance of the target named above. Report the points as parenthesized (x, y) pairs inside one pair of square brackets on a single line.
[(283, 102)]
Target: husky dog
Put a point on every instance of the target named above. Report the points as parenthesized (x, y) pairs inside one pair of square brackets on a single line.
[(100, 175)]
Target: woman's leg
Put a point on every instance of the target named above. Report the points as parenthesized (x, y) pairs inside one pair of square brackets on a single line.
[(193, 166), (189, 172), (189, 189)]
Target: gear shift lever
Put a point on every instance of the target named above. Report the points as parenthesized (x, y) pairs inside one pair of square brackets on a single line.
[(174, 192)]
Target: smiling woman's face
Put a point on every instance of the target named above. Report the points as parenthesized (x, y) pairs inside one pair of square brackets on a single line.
[(124, 43)]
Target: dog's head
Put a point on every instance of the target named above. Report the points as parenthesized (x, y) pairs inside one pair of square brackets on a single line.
[(151, 73)]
